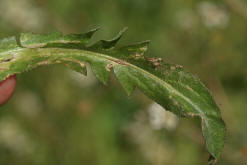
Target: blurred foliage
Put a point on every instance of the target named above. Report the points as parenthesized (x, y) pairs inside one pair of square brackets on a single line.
[(59, 117)]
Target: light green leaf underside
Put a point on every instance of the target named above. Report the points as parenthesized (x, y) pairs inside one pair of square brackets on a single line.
[(169, 85)]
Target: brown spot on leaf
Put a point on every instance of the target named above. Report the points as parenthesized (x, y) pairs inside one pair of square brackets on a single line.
[(74, 60), (108, 67), (173, 68), (58, 61), (154, 61), (44, 62), (122, 62), (191, 114), (6, 60), (189, 88), (137, 56), (175, 102), (179, 66)]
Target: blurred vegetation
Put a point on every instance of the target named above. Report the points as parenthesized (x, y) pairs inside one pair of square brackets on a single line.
[(60, 117)]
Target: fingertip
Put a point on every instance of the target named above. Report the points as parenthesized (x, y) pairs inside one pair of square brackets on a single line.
[(7, 88)]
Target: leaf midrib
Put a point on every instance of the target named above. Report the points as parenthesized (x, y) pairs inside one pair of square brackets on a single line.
[(112, 59), (157, 79)]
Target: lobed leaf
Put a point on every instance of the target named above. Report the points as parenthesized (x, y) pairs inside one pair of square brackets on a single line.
[(169, 85)]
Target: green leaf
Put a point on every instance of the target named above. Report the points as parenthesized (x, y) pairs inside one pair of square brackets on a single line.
[(168, 84)]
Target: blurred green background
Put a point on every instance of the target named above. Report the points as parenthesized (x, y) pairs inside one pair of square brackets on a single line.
[(60, 117)]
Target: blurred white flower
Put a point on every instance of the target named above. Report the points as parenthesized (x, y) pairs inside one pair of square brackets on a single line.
[(22, 14), (160, 118), (81, 80), (12, 137), (186, 19), (155, 150), (213, 15)]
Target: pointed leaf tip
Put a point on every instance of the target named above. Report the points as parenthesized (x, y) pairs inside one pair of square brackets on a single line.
[(120, 34), (30, 40), (108, 44), (92, 32), (81, 38)]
